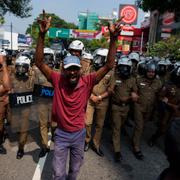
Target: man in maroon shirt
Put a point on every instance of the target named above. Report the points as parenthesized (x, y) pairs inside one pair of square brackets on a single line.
[(71, 93)]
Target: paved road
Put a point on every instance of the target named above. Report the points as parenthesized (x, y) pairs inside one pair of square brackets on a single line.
[(94, 167)]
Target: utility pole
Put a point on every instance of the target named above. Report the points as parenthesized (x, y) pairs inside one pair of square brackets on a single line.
[(11, 38)]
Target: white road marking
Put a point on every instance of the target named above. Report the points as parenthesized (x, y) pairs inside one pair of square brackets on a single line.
[(41, 162)]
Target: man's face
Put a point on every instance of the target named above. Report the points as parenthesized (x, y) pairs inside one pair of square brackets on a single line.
[(75, 52), (72, 74), (151, 74)]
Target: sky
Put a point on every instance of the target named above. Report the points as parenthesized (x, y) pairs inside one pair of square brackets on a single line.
[(67, 10)]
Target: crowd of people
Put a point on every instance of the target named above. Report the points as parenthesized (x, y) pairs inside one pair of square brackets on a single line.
[(86, 90)]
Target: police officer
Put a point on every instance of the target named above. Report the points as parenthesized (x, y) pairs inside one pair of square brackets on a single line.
[(124, 91), (76, 48), (170, 104), (148, 87), (21, 99), (98, 103), (4, 88), (163, 72), (134, 57), (44, 103), (86, 63)]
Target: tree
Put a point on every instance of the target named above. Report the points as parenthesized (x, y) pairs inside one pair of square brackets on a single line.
[(167, 47), (56, 21), (161, 6), (20, 8)]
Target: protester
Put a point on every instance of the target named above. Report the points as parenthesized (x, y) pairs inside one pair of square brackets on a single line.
[(4, 88), (71, 93)]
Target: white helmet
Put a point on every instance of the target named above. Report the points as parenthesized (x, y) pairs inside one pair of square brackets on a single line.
[(99, 57), (3, 52), (177, 64), (101, 52), (142, 58), (48, 51), (87, 56), (134, 56), (22, 65), (21, 60), (165, 62), (124, 61), (76, 45)]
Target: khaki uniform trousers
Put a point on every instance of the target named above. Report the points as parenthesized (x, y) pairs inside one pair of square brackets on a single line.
[(24, 114), (44, 114), (96, 112), (119, 116), (141, 115)]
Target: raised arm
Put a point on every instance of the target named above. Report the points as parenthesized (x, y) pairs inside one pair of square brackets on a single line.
[(44, 25), (114, 31), (6, 85)]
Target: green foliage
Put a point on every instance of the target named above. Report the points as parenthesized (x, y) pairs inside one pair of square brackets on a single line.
[(100, 24), (161, 6), (2, 21), (167, 47), (97, 43), (20, 8), (56, 21)]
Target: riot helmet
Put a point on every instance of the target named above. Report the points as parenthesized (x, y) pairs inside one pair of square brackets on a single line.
[(163, 66), (141, 67), (134, 57), (151, 69), (76, 48), (22, 65), (49, 57), (124, 67), (99, 57), (87, 56)]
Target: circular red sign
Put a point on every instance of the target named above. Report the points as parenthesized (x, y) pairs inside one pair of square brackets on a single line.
[(129, 13)]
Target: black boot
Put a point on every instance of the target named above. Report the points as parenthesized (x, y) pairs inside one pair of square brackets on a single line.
[(98, 151), (20, 153), (2, 150), (43, 151), (86, 146), (139, 155), (117, 157)]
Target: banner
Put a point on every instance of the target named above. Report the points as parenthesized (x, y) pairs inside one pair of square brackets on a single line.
[(87, 34)]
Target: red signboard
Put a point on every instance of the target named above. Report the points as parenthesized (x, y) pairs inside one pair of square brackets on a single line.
[(130, 13)]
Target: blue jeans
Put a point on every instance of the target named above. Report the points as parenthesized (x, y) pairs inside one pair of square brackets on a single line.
[(65, 142)]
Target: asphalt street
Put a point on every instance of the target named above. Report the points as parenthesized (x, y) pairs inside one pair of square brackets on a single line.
[(94, 167)]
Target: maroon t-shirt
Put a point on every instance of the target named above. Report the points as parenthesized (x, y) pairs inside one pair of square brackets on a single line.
[(69, 105)]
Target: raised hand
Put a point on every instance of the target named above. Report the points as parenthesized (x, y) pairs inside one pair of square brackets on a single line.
[(44, 23), (115, 28)]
